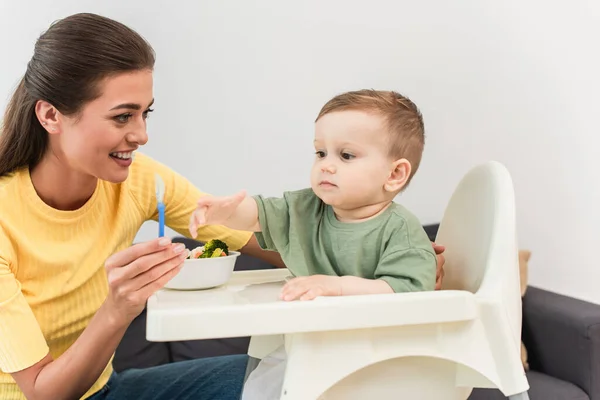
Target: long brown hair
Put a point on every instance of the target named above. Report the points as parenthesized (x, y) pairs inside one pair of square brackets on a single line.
[(68, 62)]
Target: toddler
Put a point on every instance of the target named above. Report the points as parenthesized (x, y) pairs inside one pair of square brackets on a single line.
[(344, 235)]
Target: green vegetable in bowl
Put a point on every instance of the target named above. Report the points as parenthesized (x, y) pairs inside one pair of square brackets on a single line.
[(213, 248)]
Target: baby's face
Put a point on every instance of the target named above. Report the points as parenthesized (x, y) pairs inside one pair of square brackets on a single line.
[(352, 163)]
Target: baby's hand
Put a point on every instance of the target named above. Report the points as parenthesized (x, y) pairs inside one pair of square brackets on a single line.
[(309, 287), (213, 210)]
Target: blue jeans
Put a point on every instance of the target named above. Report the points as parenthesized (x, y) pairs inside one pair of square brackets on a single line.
[(219, 378)]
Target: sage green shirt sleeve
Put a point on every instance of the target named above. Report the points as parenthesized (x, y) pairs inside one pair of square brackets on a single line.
[(408, 270), (273, 216)]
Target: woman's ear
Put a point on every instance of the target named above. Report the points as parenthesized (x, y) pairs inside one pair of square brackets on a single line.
[(48, 116), (398, 176)]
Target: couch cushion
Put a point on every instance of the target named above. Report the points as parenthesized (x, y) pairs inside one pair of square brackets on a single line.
[(542, 387)]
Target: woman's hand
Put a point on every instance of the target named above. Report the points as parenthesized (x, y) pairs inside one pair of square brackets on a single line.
[(441, 260), (135, 273)]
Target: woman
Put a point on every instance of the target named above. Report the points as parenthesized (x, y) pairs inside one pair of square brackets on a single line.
[(72, 199)]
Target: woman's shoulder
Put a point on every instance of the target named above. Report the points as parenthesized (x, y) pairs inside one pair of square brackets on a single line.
[(9, 187), (8, 179), (10, 195)]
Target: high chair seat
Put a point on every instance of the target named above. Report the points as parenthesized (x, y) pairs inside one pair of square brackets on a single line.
[(428, 345)]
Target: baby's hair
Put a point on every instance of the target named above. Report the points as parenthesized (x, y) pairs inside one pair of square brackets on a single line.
[(404, 120)]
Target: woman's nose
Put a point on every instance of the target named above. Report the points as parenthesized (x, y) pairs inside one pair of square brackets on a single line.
[(139, 135)]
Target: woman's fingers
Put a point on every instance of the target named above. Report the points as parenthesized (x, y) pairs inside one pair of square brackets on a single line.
[(119, 276), (135, 273), (154, 274), (160, 282), (135, 252)]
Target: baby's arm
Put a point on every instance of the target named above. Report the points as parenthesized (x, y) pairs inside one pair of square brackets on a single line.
[(238, 212), (408, 270), (354, 285), (309, 287)]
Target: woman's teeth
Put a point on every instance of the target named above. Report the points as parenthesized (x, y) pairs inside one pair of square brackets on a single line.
[(122, 156)]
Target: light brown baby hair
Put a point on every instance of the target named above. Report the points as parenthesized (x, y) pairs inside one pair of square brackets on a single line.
[(404, 120)]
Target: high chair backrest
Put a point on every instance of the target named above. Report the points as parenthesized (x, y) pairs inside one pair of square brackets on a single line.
[(478, 230)]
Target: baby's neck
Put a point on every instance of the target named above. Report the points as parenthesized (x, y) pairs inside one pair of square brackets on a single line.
[(361, 214)]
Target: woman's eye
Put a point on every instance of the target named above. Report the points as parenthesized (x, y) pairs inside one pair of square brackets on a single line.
[(146, 113), (123, 118), (320, 154), (347, 156)]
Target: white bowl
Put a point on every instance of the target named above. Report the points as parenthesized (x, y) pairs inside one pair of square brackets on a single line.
[(204, 273)]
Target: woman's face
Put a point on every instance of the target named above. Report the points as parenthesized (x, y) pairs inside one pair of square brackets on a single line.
[(99, 141)]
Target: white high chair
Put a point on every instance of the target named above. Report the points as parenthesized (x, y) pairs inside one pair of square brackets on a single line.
[(429, 345), (435, 345)]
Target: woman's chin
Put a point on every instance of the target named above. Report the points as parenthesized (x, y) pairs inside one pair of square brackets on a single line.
[(115, 176)]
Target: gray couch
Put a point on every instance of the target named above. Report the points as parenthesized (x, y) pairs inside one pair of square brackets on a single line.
[(562, 336)]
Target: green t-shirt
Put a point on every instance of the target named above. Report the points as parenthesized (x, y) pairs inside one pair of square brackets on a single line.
[(392, 246)]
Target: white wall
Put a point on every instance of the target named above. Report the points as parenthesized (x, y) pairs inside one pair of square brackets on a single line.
[(513, 81)]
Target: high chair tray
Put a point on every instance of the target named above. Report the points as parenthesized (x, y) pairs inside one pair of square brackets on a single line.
[(249, 305)]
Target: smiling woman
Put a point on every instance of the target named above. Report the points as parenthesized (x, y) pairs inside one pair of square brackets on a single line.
[(72, 198), (99, 138)]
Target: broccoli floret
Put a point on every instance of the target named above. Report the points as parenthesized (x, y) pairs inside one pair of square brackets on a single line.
[(212, 245)]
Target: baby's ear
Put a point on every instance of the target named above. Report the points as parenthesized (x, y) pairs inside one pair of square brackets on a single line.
[(399, 174)]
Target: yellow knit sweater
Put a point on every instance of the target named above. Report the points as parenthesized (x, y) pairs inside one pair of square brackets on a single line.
[(52, 277)]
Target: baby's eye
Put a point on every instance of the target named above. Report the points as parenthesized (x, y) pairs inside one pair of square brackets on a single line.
[(348, 156), (320, 154)]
